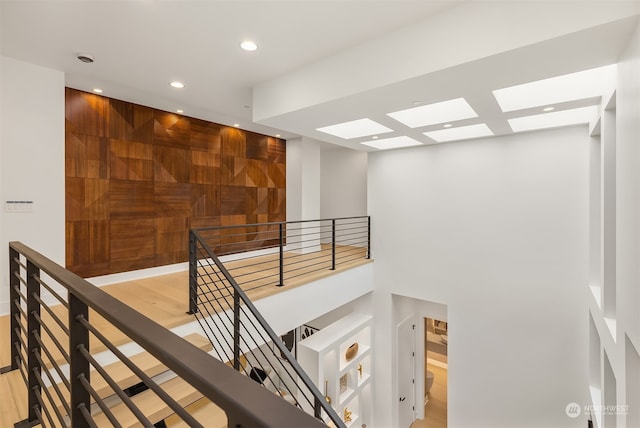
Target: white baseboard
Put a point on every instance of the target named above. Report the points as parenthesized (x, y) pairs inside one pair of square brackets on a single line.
[(437, 363), (100, 281)]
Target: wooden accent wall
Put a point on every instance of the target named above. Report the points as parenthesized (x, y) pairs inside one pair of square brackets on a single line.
[(138, 178)]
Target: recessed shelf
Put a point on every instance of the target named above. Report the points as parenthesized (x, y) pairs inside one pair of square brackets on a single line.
[(354, 420), (363, 381), (322, 356), (347, 395), (345, 366)]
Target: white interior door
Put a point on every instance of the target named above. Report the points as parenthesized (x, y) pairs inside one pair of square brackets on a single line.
[(406, 372)]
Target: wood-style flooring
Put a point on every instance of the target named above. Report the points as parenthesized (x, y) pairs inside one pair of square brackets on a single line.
[(435, 411), (163, 299)]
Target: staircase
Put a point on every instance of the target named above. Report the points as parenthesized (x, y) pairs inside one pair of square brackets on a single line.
[(145, 399), (172, 381), (175, 381)]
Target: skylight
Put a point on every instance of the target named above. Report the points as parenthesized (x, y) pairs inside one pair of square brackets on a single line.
[(556, 119), (355, 129), (460, 133), (570, 87), (431, 114), (392, 143)]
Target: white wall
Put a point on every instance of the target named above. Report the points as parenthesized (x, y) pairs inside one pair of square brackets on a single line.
[(620, 350), (303, 179), (343, 182), (628, 191), (497, 230), (32, 162), (299, 305)]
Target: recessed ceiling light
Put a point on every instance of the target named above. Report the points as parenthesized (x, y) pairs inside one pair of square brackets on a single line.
[(392, 143), (97, 90), (176, 84), (447, 125), (569, 87), (237, 125), (556, 119), (86, 58), (460, 133), (431, 114), (355, 129), (375, 137), (548, 109), (277, 135), (179, 111), (248, 45)]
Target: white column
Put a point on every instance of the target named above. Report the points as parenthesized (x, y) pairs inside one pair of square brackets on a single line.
[(303, 192)]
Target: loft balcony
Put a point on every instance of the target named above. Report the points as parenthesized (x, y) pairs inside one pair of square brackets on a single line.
[(268, 260)]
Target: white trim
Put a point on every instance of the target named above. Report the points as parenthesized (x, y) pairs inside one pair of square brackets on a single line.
[(114, 278), (438, 363)]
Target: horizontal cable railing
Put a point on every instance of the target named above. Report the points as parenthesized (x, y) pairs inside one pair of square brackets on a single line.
[(275, 254), (70, 386), (225, 262)]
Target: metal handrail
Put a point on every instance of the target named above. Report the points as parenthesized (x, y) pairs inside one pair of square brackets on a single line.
[(217, 289), (290, 245), (245, 403), (278, 223), (240, 297)]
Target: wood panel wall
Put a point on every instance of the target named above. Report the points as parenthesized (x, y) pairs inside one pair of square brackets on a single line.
[(138, 178)]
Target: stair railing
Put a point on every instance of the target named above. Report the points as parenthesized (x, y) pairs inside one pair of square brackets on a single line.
[(52, 347), (266, 255), (262, 255)]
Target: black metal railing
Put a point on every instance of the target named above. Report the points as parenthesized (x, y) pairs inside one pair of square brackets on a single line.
[(266, 255), (50, 346), (281, 253)]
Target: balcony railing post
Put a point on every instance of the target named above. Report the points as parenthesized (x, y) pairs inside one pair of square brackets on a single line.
[(368, 237), (14, 300), (33, 328), (236, 330), (281, 229), (79, 366), (193, 274), (333, 244)]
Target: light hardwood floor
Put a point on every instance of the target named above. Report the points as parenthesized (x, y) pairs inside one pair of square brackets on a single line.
[(163, 299), (435, 410)]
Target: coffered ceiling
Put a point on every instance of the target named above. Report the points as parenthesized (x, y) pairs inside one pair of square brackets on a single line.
[(320, 63)]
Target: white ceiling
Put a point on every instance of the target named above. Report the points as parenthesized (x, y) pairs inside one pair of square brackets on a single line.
[(141, 45)]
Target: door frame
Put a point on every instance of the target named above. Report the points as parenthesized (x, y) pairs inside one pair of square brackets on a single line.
[(411, 321)]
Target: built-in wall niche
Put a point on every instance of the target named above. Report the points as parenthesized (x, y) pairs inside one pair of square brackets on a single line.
[(339, 359), (632, 370), (602, 213)]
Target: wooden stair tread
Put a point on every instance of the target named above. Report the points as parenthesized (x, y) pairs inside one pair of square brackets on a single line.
[(124, 377), (205, 412), (150, 405)]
